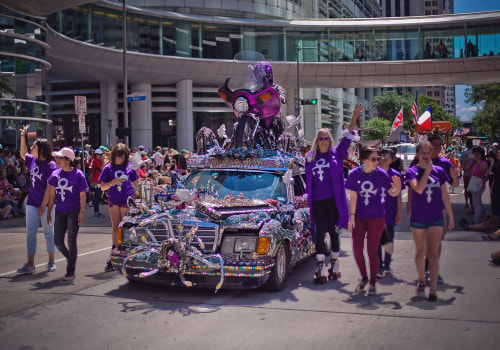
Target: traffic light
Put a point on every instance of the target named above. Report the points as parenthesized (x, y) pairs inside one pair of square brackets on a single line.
[(122, 132), (312, 101)]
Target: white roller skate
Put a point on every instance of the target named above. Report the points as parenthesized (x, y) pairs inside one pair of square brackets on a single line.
[(321, 275), (333, 271)]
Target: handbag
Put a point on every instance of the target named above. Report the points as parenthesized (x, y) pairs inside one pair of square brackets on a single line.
[(475, 184)]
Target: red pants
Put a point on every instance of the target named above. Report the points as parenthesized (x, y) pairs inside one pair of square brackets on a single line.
[(373, 229)]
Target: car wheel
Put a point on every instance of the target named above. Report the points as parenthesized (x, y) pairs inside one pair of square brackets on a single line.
[(279, 275)]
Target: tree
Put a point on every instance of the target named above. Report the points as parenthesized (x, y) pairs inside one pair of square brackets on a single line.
[(381, 131), (487, 118), (389, 103)]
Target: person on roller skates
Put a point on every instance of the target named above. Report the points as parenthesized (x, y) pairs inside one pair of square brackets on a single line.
[(326, 195)]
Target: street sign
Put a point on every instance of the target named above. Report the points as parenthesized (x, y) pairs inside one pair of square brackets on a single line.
[(81, 123), (136, 98), (80, 105)]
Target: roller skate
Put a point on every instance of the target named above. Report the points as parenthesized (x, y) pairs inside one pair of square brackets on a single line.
[(321, 275), (333, 271)]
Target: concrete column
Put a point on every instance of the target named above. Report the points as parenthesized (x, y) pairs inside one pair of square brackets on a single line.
[(184, 120), (109, 113), (141, 118)]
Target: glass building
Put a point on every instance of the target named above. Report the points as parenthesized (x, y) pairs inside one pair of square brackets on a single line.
[(23, 76)]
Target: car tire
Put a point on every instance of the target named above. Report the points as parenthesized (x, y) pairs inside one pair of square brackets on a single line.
[(279, 274)]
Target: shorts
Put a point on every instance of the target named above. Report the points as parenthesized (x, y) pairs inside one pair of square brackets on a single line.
[(420, 225), (111, 204)]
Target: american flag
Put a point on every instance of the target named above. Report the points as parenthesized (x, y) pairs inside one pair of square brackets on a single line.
[(414, 112)]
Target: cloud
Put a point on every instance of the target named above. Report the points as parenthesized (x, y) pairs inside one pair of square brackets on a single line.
[(465, 113)]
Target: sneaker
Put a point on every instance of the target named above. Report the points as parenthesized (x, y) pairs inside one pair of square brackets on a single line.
[(361, 285), (420, 286), (51, 266), (372, 290), (27, 269), (69, 277), (440, 280), (380, 272), (388, 270), (99, 215)]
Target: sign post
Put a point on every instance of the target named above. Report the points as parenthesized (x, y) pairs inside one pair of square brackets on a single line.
[(81, 110)]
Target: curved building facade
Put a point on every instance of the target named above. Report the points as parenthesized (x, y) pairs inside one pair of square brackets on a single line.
[(23, 76)]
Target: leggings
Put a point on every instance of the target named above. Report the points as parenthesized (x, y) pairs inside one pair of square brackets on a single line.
[(67, 223), (325, 215), (373, 229)]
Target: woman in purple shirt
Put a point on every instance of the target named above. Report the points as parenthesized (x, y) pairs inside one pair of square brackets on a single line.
[(40, 163), (369, 187), (67, 189), (429, 197), (119, 180), (326, 195)]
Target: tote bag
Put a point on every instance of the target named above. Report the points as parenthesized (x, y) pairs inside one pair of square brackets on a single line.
[(475, 184)]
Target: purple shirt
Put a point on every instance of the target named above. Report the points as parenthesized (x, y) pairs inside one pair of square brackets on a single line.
[(322, 187), (427, 207), (39, 174), (68, 185), (118, 194), (391, 203), (372, 191), (446, 165)]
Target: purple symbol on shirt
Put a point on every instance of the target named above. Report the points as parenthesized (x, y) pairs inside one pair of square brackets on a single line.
[(366, 190), (318, 168), (62, 186), (429, 186), (35, 173)]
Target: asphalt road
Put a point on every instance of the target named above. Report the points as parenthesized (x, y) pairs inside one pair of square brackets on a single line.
[(103, 311)]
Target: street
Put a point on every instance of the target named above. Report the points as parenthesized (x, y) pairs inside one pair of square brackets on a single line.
[(101, 310)]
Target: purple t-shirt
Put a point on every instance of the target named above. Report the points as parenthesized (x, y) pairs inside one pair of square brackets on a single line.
[(322, 187), (39, 174), (68, 185), (372, 191), (446, 165), (391, 203), (118, 194), (427, 207)]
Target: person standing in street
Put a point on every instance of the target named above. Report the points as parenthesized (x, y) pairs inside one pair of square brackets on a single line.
[(369, 186), (40, 163), (466, 159), (67, 188), (326, 195), (393, 211), (429, 197), (95, 169), (120, 181)]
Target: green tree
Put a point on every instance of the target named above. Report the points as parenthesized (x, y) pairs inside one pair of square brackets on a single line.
[(388, 104), (381, 129), (487, 119)]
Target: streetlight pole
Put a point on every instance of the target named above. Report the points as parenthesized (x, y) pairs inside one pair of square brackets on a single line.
[(125, 77), (298, 48)]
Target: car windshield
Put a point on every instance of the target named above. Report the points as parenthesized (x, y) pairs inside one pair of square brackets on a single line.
[(407, 149), (252, 184)]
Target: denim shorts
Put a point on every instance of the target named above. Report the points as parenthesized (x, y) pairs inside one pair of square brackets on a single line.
[(420, 225)]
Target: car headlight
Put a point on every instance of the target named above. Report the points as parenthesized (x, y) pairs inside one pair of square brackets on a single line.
[(241, 104), (238, 244), (134, 236)]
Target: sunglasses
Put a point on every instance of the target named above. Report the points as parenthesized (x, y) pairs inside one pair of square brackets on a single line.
[(374, 159), (323, 138), (62, 158)]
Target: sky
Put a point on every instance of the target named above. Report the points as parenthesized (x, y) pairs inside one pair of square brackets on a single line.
[(463, 110)]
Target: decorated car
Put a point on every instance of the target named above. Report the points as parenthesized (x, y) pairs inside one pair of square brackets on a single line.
[(241, 220)]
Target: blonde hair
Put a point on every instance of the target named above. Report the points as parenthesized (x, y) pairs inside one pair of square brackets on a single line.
[(315, 147)]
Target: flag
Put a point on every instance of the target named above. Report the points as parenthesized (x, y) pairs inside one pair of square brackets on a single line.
[(414, 112), (425, 120), (399, 120)]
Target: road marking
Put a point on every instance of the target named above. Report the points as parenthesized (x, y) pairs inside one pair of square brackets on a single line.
[(59, 260)]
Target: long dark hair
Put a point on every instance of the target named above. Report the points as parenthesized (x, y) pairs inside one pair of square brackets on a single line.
[(119, 150), (44, 149)]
